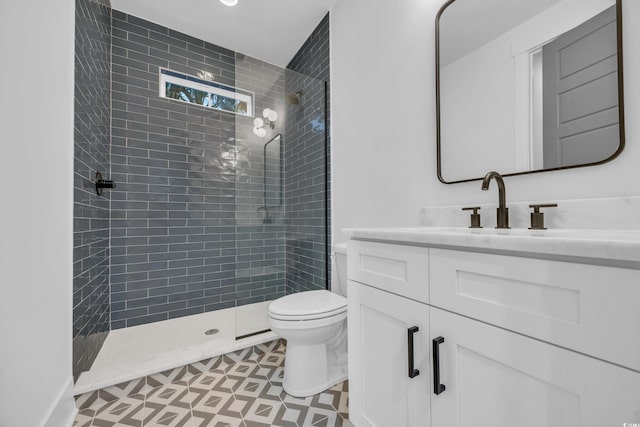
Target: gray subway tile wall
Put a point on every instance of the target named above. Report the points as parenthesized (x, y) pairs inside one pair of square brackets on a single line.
[(172, 227), (308, 243), (187, 236), (92, 100), (183, 233)]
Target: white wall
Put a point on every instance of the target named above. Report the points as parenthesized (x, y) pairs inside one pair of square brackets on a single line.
[(381, 90), (36, 167), (384, 159)]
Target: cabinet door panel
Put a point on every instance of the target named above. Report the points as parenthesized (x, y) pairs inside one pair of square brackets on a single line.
[(498, 378), (380, 390), (568, 304)]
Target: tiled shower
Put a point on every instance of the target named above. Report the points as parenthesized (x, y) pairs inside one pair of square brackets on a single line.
[(191, 226), (92, 136)]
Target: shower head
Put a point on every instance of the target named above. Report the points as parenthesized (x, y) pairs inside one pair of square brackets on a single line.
[(294, 98)]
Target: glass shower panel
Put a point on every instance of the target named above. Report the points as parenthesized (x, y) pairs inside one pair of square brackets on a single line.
[(260, 229), (306, 189), (280, 190)]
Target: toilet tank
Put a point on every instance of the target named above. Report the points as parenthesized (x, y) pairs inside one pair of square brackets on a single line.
[(340, 267)]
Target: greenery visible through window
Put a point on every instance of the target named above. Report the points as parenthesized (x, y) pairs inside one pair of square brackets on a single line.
[(205, 93)]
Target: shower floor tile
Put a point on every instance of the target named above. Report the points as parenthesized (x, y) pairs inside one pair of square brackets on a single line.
[(242, 393)]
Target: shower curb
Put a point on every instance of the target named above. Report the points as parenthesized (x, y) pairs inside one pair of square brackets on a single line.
[(140, 387)]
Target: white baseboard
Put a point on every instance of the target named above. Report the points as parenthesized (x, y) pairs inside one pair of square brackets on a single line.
[(63, 411)]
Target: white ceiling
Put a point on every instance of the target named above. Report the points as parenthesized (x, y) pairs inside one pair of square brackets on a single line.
[(270, 30), (468, 24)]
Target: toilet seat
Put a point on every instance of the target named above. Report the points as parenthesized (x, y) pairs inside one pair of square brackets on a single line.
[(309, 305), (302, 318), (306, 324)]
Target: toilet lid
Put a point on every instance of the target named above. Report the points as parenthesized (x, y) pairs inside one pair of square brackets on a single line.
[(308, 303)]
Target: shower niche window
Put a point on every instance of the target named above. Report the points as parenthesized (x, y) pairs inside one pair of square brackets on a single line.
[(194, 90)]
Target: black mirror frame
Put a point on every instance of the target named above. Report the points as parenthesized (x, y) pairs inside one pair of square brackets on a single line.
[(620, 103)]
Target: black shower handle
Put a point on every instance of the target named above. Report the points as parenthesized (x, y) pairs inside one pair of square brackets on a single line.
[(102, 183)]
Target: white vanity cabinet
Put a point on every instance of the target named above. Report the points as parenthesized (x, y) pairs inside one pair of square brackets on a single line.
[(379, 367), (497, 378), (521, 344), (382, 327)]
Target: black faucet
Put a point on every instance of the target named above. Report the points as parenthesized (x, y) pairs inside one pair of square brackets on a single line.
[(502, 220)]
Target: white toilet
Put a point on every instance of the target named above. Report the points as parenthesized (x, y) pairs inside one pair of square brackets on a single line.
[(314, 323)]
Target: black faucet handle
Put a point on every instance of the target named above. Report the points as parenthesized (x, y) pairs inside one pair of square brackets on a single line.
[(536, 208), (475, 216), (537, 217)]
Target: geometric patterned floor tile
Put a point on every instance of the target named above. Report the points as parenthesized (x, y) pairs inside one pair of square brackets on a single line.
[(229, 383), (87, 400), (173, 394), (207, 365), (122, 412), (252, 387), (216, 420), (236, 407), (169, 405), (240, 389), (129, 388), (297, 401), (272, 359), (272, 392), (291, 415), (166, 377), (241, 369), (97, 398), (212, 403), (322, 417), (277, 375), (263, 412), (156, 414), (341, 399), (207, 380), (84, 418), (262, 371)]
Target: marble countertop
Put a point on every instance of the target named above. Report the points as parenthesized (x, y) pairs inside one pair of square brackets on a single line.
[(606, 247)]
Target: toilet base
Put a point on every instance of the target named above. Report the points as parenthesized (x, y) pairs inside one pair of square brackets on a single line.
[(316, 354), (312, 391), (311, 369)]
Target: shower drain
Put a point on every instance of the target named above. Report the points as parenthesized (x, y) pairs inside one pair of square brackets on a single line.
[(212, 332)]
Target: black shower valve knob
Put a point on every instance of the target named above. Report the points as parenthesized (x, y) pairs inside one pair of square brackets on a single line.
[(103, 183)]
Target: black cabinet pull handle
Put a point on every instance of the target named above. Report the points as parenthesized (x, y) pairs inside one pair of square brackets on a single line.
[(437, 387), (412, 372)]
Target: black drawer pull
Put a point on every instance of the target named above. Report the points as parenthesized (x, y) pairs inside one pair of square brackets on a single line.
[(412, 372), (437, 387)]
